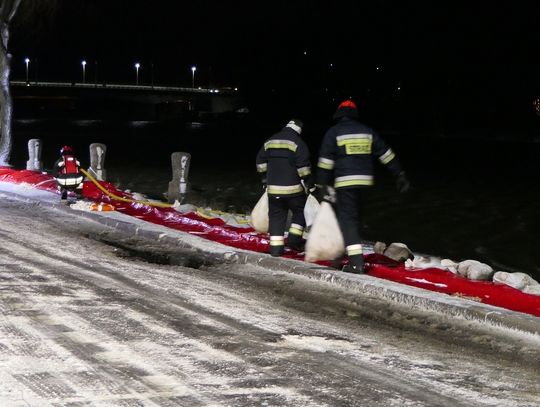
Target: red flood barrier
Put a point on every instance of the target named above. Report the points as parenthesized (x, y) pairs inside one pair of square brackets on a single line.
[(246, 238)]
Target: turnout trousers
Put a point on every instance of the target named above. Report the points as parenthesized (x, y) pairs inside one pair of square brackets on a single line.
[(349, 203), (278, 210)]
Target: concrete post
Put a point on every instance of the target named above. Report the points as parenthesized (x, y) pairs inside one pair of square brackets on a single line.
[(97, 161), (179, 185), (34, 155)]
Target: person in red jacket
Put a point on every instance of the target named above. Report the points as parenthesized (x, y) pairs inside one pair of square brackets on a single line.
[(67, 174)]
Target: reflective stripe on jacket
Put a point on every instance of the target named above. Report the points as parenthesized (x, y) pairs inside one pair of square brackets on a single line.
[(66, 171), (283, 161), (347, 152)]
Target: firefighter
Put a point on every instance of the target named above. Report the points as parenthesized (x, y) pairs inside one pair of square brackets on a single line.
[(285, 168), (345, 172), (67, 174)]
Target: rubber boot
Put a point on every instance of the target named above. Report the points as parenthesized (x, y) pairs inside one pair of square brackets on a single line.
[(295, 242), (277, 251), (64, 195), (356, 265)]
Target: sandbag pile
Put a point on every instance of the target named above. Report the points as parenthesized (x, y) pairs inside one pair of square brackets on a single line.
[(475, 270)]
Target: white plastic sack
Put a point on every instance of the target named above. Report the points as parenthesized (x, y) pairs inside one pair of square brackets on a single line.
[(310, 210), (474, 270), (516, 280), (259, 214), (325, 241)]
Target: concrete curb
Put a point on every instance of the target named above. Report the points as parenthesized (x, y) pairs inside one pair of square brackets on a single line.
[(362, 284)]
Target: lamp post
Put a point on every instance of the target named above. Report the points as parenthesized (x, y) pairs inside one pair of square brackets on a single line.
[(193, 69), (83, 63), (137, 66), (27, 61)]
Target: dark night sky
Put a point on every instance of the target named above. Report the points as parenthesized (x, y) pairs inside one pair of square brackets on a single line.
[(481, 59)]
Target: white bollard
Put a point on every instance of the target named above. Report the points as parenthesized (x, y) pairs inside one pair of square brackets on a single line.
[(34, 155), (179, 185), (97, 161)]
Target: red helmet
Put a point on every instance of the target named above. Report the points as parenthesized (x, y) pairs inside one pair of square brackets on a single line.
[(66, 150), (347, 103), (347, 108)]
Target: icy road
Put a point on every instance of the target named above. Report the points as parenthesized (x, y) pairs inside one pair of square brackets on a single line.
[(90, 316)]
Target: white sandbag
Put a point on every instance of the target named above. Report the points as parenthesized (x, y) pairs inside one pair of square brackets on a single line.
[(310, 209), (449, 265), (425, 262), (259, 214), (325, 241), (474, 270), (532, 289), (517, 280)]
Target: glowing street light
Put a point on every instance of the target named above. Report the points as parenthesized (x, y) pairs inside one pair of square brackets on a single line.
[(193, 69), (27, 61), (83, 63), (137, 66)]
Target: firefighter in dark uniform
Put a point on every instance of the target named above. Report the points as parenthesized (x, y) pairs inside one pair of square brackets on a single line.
[(345, 171), (66, 173), (284, 165)]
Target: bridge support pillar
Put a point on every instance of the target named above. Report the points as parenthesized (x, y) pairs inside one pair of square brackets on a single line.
[(97, 161), (179, 186), (34, 155)]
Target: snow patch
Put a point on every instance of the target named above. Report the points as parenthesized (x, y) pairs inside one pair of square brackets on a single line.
[(314, 343)]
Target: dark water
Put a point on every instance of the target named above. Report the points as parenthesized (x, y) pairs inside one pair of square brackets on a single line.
[(472, 197)]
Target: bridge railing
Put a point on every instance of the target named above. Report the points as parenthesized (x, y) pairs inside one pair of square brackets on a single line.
[(121, 86)]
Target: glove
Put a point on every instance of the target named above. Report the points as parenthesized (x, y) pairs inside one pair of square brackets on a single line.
[(402, 183), (325, 193), (263, 182), (309, 188)]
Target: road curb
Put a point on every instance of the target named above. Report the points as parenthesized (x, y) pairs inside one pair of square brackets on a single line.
[(362, 284)]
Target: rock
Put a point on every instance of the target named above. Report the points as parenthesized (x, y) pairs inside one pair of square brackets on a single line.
[(379, 247), (398, 252)]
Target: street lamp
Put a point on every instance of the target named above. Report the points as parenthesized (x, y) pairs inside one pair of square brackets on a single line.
[(193, 69), (137, 66), (27, 61), (83, 63)]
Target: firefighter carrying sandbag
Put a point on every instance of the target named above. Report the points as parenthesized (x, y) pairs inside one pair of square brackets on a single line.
[(67, 174), (345, 172), (285, 168)]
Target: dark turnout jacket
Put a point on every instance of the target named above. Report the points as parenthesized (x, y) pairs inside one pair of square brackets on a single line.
[(346, 155), (283, 161)]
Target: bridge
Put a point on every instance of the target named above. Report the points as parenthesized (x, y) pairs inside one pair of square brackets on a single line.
[(123, 101)]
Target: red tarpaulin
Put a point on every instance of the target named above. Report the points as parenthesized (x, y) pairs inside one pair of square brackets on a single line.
[(217, 230)]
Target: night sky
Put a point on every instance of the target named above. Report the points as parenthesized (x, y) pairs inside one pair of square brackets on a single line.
[(422, 65)]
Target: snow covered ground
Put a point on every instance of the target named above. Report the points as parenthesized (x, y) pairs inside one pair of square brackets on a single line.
[(93, 316)]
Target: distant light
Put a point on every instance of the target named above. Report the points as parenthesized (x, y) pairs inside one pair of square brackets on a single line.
[(83, 63), (377, 68), (216, 91), (137, 65), (536, 104), (399, 88), (305, 52), (27, 60), (193, 68), (235, 88), (331, 65)]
